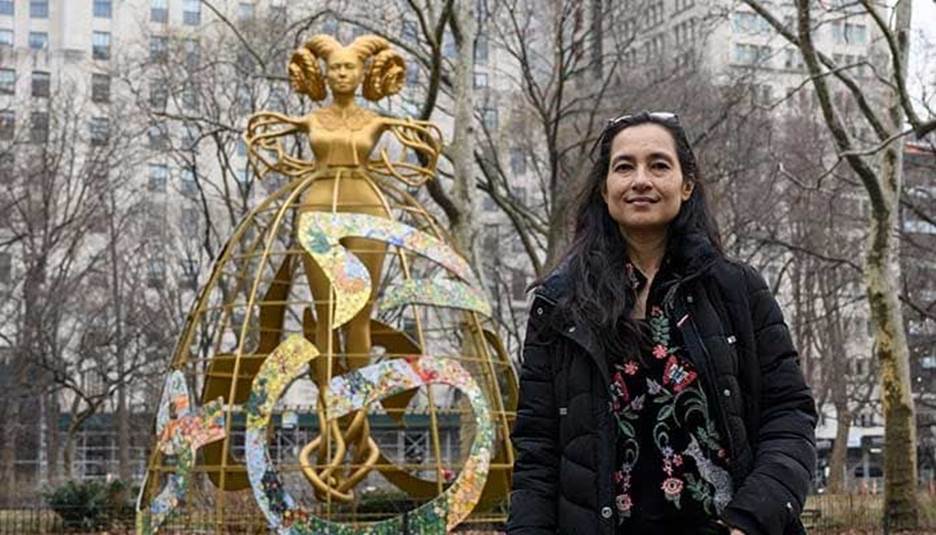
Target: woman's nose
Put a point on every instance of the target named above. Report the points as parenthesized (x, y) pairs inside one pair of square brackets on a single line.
[(641, 178)]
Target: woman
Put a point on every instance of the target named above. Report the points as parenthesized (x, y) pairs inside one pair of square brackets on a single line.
[(660, 391)]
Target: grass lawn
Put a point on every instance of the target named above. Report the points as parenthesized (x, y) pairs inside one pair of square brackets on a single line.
[(848, 513)]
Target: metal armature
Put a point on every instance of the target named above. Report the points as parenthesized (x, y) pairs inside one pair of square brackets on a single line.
[(340, 296)]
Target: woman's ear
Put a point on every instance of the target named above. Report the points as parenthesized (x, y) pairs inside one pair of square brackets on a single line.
[(687, 187)]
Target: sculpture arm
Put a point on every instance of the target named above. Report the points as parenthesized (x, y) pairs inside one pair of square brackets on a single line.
[(419, 138), (266, 151)]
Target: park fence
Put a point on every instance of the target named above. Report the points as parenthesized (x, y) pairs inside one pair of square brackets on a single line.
[(823, 514)]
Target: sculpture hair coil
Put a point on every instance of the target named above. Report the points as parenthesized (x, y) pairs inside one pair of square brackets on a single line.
[(305, 74)]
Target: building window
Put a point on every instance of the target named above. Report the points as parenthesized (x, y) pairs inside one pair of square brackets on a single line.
[(749, 23), (158, 137), (41, 82), (7, 81), (246, 10), (102, 9), (189, 268), (685, 32), (410, 31), (100, 88), (101, 45), (6, 37), (480, 80), (100, 131), (7, 124), (489, 118), (518, 284), (159, 48), (6, 268), (39, 9), (448, 46), (745, 54), (189, 96), (191, 12), (192, 49), (794, 60), (158, 176), (412, 73), (481, 49), (39, 127), (159, 10), (156, 273), (653, 47), (517, 161), (187, 183), (158, 94), (38, 40), (686, 60), (191, 217), (7, 165), (654, 14), (856, 34), (189, 139), (278, 10), (6, 7)]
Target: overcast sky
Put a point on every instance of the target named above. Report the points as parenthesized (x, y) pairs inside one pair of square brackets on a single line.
[(922, 70)]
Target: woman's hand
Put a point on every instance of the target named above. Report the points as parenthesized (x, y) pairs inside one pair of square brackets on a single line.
[(733, 531)]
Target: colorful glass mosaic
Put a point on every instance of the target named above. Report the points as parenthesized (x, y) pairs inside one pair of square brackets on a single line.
[(355, 391), (320, 232), (181, 432), (436, 292)]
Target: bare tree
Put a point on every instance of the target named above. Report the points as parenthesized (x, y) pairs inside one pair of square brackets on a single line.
[(882, 182)]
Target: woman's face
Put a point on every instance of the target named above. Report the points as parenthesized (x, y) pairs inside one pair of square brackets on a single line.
[(644, 188), (345, 71)]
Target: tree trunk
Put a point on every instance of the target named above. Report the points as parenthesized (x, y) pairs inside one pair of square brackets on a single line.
[(53, 438), (838, 462), (123, 433), (462, 148), (122, 414), (8, 433), (68, 450), (882, 271)]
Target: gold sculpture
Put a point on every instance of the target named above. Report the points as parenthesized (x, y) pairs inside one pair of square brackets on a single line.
[(342, 164), (342, 136)]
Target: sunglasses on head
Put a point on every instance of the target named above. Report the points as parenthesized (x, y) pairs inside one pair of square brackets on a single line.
[(665, 116), (661, 116)]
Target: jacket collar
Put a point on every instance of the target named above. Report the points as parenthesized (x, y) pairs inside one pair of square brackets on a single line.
[(687, 257)]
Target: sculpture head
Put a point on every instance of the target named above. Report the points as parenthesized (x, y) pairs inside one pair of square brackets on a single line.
[(369, 60)]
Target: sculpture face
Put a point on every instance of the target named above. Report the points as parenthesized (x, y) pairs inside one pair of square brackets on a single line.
[(345, 72)]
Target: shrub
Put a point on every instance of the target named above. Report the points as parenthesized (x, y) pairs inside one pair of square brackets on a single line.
[(90, 505)]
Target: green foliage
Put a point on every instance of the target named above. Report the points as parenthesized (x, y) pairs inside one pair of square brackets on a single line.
[(91, 505)]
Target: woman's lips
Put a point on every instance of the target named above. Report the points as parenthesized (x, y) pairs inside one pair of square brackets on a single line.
[(640, 201)]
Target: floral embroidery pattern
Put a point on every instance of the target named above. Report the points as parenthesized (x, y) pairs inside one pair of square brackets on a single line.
[(664, 395)]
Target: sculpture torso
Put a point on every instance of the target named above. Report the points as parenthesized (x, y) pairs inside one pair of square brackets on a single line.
[(343, 137)]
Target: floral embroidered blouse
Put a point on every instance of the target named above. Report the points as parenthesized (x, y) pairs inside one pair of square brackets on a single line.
[(671, 460)]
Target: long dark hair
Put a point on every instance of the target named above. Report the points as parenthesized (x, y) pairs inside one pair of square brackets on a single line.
[(599, 291)]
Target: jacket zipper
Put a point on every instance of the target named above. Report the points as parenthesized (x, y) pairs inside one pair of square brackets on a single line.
[(709, 384)]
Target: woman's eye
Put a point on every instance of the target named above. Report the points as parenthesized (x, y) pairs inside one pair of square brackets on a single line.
[(621, 168), (660, 166)]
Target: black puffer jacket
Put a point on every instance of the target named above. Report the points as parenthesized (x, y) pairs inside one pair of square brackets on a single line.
[(737, 339)]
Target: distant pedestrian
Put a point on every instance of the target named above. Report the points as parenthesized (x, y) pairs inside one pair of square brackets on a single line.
[(660, 391)]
